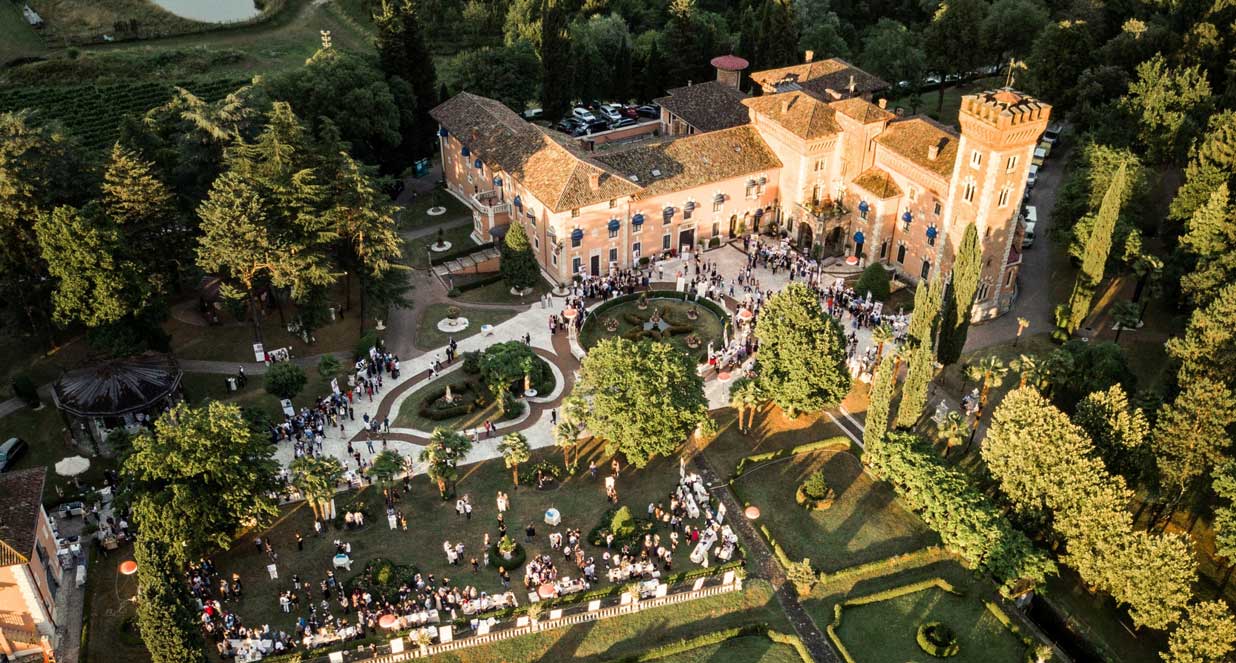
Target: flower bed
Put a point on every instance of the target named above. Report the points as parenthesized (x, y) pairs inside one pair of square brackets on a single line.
[(518, 555)]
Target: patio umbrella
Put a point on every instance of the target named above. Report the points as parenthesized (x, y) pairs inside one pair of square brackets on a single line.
[(72, 466)]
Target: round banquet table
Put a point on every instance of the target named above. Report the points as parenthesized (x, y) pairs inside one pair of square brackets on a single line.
[(546, 591)]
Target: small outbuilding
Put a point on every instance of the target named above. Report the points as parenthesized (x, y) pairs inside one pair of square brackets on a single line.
[(125, 392)]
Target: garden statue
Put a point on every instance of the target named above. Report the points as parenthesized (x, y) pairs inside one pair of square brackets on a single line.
[(643, 302), (448, 397), (656, 317)]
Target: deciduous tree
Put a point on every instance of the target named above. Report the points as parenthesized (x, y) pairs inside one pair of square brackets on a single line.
[(646, 397), (802, 352), (1167, 105), (1190, 434), (1119, 430), (1206, 635)]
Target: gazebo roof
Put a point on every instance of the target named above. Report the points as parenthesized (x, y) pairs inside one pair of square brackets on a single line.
[(117, 386)]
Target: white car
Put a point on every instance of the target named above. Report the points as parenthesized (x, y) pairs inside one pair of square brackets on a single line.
[(1052, 135), (1030, 217), (611, 112), (583, 114), (1032, 177)]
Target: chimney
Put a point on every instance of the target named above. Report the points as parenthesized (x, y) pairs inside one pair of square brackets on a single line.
[(810, 55), (933, 151), (883, 102), (853, 85), (594, 180)]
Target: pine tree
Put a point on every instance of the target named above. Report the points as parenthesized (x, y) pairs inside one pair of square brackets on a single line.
[(879, 405), (1211, 238), (955, 322), (555, 53), (777, 44), (1207, 349), (914, 390), (518, 265), (1206, 635), (1190, 434), (1095, 260), (1119, 430), (142, 208), (404, 55)]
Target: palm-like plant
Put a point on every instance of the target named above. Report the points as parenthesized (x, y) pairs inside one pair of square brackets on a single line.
[(746, 397), (988, 372), (442, 456), (1022, 325), (386, 466), (515, 450), (1032, 370), (566, 436), (953, 431), (315, 477), (881, 335)]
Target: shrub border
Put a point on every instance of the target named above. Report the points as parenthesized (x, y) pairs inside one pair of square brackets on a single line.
[(717, 637)]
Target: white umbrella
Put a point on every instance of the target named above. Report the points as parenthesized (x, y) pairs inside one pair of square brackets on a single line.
[(72, 466)]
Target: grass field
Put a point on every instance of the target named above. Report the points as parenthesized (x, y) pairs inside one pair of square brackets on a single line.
[(884, 631), (17, 38), (866, 523), (747, 649), (44, 432), (429, 337), (416, 251), (500, 293), (929, 100)]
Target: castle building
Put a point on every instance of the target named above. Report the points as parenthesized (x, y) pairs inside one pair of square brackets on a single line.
[(811, 156)]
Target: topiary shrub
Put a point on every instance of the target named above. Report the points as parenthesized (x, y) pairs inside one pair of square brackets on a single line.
[(285, 379), (369, 340), (938, 640), (381, 575), (874, 279), (623, 523), (814, 493), (625, 526), (505, 546), (527, 476), (472, 362)]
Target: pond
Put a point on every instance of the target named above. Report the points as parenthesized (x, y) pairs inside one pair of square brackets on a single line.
[(212, 11)]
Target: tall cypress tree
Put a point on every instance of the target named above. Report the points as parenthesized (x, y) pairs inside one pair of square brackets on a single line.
[(1095, 259), (914, 391), (882, 387), (777, 44), (927, 298), (955, 322), (403, 55), (555, 54), (518, 265), (165, 614)]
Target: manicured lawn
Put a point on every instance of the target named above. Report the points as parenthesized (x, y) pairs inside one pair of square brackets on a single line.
[(772, 431), (580, 499), (429, 337), (884, 631), (629, 635), (500, 293), (27, 354), (415, 214), (707, 326), (865, 523), (200, 387), (44, 432), (416, 251), (929, 99), (409, 411), (747, 649)]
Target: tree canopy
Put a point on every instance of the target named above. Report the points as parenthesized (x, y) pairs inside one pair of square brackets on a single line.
[(802, 360)]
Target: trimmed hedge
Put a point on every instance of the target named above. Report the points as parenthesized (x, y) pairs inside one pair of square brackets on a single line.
[(718, 637), (642, 526), (475, 284), (839, 443), (528, 476), (881, 567), (518, 557), (455, 254), (937, 639), (709, 304), (470, 391), (839, 608)]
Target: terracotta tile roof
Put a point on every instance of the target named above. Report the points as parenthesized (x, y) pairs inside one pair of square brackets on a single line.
[(800, 113), (819, 76), (547, 163), (861, 110), (878, 182), (691, 161), (913, 137), (710, 106), (21, 498)]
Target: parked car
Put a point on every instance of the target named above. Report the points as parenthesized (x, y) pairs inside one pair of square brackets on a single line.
[(1032, 177), (13, 448), (630, 111), (568, 124), (597, 126), (533, 114), (650, 110), (1046, 147), (623, 122), (1052, 135), (610, 112), (583, 114), (1030, 217), (1040, 157)]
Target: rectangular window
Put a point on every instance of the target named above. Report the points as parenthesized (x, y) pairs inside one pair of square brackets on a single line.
[(926, 269), (716, 229), (1010, 164), (750, 189), (976, 158), (1004, 198), (665, 241), (968, 192), (613, 255), (536, 243), (687, 212), (635, 249), (931, 240), (613, 203), (936, 209), (717, 205), (576, 264), (575, 213), (576, 240), (883, 250), (901, 254), (553, 258), (613, 233), (1009, 280), (637, 229)]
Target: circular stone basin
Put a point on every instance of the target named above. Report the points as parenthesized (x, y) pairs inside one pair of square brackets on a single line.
[(724, 376), (520, 293), (449, 325), (436, 211), (530, 393), (440, 248)]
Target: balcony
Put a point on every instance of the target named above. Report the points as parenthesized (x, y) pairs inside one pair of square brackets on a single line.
[(488, 202), (824, 210), (1014, 256)]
